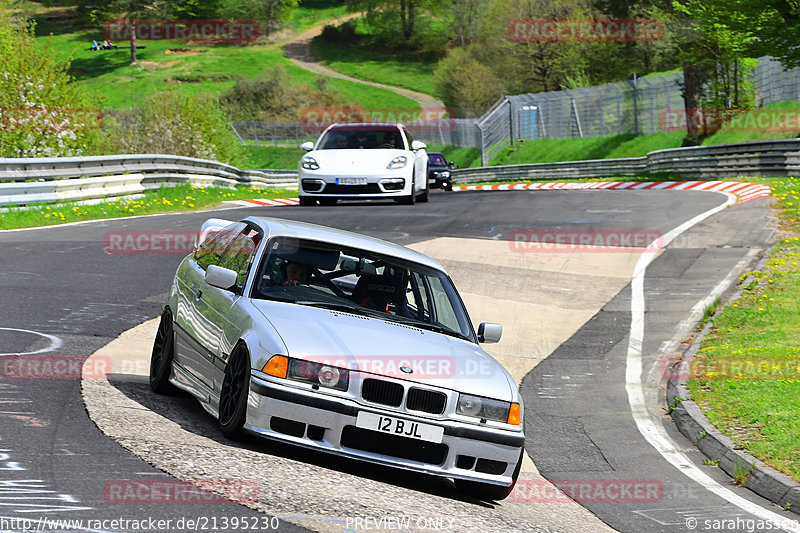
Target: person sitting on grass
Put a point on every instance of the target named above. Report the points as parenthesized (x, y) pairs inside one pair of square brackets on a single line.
[(94, 46)]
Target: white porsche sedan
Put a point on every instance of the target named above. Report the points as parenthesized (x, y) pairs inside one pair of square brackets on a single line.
[(359, 161)]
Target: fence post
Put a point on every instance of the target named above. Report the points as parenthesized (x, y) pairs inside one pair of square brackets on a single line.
[(255, 131)]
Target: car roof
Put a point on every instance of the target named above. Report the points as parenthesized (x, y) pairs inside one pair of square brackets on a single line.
[(278, 227), (376, 126)]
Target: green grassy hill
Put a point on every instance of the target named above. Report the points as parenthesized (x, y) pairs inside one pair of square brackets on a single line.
[(203, 69)]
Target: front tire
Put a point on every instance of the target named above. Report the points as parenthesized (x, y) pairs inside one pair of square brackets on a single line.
[(486, 491), (305, 201), (422, 198), (233, 396), (410, 199), (162, 356)]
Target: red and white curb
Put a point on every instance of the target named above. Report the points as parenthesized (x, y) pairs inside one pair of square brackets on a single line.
[(276, 202), (743, 190)]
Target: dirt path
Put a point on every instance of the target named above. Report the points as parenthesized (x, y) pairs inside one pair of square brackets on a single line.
[(298, 51)]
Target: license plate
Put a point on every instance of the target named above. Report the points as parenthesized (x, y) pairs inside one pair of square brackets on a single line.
[(351, 181), (400, 427)]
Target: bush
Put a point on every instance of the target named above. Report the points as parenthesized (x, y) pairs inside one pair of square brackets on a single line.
[(273, 96), (171, 122), (465, 85), (339, 34), (42, 111)]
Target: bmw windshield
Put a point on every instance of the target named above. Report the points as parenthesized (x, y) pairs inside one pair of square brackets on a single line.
[(351, 280)]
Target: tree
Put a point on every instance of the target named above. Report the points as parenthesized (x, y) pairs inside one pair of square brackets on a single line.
[(714, 54), (394, 17), (774, 25), (43, 113), (468, 17), (101, 11), (270, 11), (466, 85)]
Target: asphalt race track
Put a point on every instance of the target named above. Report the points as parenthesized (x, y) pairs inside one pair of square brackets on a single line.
[(64, 296)]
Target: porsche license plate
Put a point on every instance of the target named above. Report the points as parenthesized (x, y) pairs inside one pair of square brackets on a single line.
[(400, 427), (351, 181)]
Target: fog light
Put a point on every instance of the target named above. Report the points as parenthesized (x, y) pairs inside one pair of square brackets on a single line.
[(329, 376)]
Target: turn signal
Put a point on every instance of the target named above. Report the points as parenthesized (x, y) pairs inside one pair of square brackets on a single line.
[(514, 417), (277, 366)]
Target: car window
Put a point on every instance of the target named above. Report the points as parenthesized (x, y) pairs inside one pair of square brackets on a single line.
[(341, 278), (361, 138), (239, 255), (213, 247)]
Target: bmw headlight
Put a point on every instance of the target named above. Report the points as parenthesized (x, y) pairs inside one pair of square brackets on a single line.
[(398, 162), (320, 374), (442, 174), (489, 409), (309, 163)]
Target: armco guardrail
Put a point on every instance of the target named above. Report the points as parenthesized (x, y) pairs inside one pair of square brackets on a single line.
[(26, 181), (760, 158)]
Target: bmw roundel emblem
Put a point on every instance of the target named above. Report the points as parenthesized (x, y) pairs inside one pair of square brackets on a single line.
[(406, 369)]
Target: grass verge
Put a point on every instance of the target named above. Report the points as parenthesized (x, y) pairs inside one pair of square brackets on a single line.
[(749, 386), (360, 57), (163, 200)]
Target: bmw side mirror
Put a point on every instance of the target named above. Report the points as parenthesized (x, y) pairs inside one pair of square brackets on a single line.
[(418, 145), (221, 278), (489, 333), (452, 165), (307, 146)]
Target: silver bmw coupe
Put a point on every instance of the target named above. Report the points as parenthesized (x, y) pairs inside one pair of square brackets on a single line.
[(341, 343)]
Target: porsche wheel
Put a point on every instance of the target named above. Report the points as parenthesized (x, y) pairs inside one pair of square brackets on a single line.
[(161, 358), (233, 396)]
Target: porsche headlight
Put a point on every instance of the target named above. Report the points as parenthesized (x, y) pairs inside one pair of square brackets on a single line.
[(480, 407), (398, 162), (327, 376), (309, 163)]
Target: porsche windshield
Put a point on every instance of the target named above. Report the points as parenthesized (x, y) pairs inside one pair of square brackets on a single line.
[(357, 138), (325, 275)]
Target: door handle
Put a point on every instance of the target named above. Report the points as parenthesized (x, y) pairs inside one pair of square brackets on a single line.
[(199, 295)]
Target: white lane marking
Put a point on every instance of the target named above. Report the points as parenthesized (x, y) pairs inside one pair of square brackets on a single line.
[(55, 342), (652, 432)]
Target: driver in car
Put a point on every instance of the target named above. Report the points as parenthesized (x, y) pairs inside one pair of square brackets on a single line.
[(297, 273)]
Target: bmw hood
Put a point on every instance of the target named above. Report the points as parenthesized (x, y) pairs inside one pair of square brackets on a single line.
[(361, 162), (387, 348)]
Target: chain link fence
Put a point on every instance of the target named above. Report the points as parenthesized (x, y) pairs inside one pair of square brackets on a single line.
[(640, 106)]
